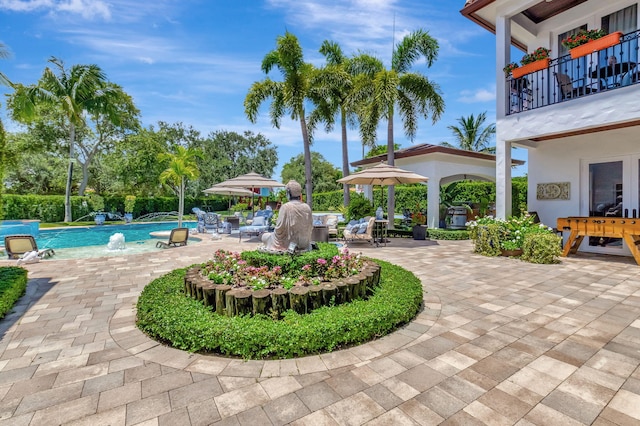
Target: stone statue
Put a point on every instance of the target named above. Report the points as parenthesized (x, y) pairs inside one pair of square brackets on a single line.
[(294, 225)]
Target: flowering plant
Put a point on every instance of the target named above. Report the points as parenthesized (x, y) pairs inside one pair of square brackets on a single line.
[(582, 37), (511, 232), (418, 218), (536, 55), (229, 268), (510, 67)]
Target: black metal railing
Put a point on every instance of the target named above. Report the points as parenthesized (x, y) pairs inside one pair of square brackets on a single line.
[(567, 78)]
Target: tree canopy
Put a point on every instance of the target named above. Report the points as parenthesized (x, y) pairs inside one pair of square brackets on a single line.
[(324, 174)]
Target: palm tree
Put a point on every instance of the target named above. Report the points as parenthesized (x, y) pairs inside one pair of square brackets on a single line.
[(288, 96), (413, 93), (182, 165), (471, 135), (334, 92), (4, 54), (79, 90)]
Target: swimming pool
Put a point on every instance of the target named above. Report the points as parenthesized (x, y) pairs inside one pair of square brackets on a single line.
[(91, 241)]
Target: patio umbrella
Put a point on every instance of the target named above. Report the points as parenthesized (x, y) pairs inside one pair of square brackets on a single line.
[(383, 174), (250, 181), (221, 190)]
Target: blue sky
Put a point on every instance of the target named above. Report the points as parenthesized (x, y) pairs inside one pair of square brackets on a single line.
[(192, 61)]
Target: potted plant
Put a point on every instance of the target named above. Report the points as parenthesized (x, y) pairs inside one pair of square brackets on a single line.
[(97, 204), (509, 69), (588, 41), (418, 219), (129, 204), (532, 62)]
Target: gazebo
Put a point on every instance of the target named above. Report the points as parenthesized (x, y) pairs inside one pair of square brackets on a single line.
[(442, 165)]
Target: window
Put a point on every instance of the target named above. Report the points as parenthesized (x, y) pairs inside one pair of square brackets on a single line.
[(563, 50), (625, 20)]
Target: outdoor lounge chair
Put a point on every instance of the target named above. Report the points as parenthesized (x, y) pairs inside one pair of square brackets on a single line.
[(364, 232), (259, 226), (18, 245), (178, 237)]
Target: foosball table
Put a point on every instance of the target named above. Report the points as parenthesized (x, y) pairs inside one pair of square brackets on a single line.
[(608, 227)]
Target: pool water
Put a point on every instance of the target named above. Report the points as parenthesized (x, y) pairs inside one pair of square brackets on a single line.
[(82, 242)]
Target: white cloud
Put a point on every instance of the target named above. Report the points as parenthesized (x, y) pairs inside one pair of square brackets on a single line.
[(88, 9), (478, 95)]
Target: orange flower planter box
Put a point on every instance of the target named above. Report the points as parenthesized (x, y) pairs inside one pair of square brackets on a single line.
[(595, 45), (529, 68)]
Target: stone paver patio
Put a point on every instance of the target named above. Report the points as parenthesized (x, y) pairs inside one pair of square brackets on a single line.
[(499, 342)]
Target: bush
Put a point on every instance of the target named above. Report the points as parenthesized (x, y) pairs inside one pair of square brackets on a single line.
[(448, 234), (359, 207), (165, 313), (491, 236), (290, 263), (13, 283), (541, 248)]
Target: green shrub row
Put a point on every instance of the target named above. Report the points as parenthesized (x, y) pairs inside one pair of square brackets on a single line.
[(410, 196), (50, 208), (13, 283), (447, 234), (165, 313)]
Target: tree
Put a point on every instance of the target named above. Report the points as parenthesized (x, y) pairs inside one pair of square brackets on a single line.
[(471, 135), (105, 131), (288, 96), (380, 149), (324, 173), (4, 53), (412, 93), (79, 90), (334, 93), (182, 165), (230, 154)]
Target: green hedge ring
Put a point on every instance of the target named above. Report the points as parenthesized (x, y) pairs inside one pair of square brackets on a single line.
[(166, 314)]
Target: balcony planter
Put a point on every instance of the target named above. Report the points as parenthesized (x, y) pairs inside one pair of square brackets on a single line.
[(531, 67), (596, 45)]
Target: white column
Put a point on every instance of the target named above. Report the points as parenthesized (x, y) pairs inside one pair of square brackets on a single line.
[(503, 57), (503, 177), (433, 202)]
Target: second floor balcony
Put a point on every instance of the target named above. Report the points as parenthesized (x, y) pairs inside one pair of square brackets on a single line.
[(568, 78)]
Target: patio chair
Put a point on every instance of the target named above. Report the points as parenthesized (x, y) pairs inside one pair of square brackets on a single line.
[(211, 222), (17, 245), (178, 237), (259, 226), (332, 224), (567, 90), (363, 232)]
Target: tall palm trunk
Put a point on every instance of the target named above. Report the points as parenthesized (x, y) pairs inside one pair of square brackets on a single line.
[(67, 194), (308, 185), (345, 157), (391, 199), (180, 202)]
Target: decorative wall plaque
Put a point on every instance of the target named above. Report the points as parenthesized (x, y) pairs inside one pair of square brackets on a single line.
[(553, 191)]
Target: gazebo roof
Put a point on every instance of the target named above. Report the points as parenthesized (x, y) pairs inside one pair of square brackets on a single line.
[(425, 149)]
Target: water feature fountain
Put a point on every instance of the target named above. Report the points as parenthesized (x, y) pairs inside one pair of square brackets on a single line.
[(116, 242)]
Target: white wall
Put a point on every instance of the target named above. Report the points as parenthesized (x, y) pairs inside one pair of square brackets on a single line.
[(561, 161)]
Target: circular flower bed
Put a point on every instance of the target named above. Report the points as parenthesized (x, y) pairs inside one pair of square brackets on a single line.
[(165, 314), (232, 285)]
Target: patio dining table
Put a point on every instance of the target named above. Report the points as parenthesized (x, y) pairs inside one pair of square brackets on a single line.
[(615, 71)]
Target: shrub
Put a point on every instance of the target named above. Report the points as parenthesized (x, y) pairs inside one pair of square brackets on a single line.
[(359, 207), (290, 263), (13, 283), (165, 313), (448, 234), (493, 235), (541, 248)]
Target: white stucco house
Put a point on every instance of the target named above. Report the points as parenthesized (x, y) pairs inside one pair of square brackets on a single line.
[(579, 117), (442, 165)]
